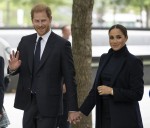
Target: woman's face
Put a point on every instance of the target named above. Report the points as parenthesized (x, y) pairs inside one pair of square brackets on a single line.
[(117, 39)]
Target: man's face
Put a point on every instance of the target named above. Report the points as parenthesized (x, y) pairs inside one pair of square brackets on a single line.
[(41, 22)]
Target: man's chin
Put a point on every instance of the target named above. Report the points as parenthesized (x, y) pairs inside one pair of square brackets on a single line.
[(40, 33)]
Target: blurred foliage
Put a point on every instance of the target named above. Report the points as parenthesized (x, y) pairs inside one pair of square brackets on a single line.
[(62, 10), (32, 2), (10, 8), (140, 8)]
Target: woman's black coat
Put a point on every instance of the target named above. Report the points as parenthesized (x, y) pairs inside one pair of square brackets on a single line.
[(128, 88)]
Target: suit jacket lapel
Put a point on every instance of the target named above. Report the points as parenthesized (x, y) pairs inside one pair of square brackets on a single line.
[(48, 48), (31, 52)]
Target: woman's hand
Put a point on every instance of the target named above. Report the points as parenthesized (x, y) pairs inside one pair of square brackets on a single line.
[(105, 90)]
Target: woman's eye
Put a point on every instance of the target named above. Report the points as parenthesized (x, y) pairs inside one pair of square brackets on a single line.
[(119, 37), (111, 37)]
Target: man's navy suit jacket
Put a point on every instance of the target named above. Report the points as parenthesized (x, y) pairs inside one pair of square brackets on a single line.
[(56, 62)]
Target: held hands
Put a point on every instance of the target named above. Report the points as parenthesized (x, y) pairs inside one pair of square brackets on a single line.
[(74, 117), (105, 90), (14, 62)]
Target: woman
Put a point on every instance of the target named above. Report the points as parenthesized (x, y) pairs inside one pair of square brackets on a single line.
[(1, 86), (118, 86), (4, 121)]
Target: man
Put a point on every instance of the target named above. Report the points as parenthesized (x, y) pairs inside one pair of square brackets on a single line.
[(39, 91), (66, 32), (63, 123)]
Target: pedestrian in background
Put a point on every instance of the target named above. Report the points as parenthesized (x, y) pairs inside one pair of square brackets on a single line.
[(118, 85), (41, 69), (66, 32), (4, 121)]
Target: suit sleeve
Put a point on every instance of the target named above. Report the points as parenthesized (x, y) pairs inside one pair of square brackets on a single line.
[(69, 77)]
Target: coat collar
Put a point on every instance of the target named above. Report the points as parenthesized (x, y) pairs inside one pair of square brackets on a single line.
[(104, 60)]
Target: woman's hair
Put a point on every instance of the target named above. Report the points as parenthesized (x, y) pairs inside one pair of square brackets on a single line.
[(41, 8), (121, 28)]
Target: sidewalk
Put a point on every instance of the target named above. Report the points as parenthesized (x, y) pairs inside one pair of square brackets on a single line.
[(15, 115)]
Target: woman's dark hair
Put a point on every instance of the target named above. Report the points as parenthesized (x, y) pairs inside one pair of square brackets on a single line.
[(121, 28)]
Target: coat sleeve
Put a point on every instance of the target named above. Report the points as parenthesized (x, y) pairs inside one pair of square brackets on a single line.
[(91, 99)]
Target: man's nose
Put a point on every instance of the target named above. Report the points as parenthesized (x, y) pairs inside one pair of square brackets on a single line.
[(40, 23)]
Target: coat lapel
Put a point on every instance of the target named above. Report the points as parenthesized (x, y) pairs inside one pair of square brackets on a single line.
[(101, 66), (119, 68), (104, 62)]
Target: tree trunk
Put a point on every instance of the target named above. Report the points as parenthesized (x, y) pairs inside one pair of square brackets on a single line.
[(147, 8), (81, 46)]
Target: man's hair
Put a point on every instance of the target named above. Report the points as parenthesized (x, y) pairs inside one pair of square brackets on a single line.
[(41, 8), (63, 27)]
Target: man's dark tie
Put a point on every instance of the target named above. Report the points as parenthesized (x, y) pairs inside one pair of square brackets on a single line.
[(37, 53), (35, 64)]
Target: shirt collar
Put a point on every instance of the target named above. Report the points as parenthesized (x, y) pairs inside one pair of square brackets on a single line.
[(46, 36)]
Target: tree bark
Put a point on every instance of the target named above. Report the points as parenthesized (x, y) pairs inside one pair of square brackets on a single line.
[(81, 46)]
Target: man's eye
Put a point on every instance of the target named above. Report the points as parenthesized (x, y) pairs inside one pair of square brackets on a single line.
[(36, 21), (43, 20), (111, 37)]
